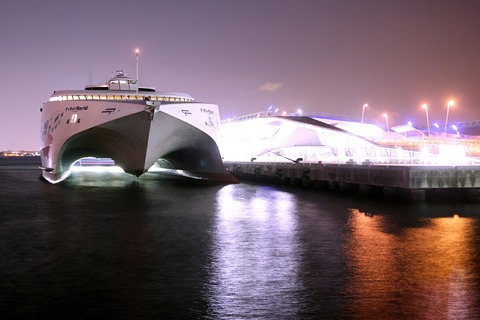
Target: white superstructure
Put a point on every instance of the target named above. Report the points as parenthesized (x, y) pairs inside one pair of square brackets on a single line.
[(135, 126)]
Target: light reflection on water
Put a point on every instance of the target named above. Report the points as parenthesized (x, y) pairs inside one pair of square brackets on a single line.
[(255, 255), (426, 271), (110, 245)]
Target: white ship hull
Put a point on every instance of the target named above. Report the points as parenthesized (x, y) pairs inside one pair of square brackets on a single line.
[(135, 134)]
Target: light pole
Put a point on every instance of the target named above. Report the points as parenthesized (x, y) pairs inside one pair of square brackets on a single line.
[(451, 103), (386, 120), (424, 106), (363, 110)]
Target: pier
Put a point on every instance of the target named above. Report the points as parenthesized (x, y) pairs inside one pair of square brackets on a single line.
[(414, 182)]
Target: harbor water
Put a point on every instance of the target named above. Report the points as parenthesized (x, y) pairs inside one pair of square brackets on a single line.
[(107, 245)]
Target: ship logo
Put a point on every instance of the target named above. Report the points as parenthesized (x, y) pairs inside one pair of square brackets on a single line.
[(209, 122), (109, 110)]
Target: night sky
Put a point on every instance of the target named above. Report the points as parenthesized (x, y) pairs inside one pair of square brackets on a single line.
[(246, 55)]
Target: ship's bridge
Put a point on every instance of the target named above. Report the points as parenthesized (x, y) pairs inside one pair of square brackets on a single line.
[(120, 82)]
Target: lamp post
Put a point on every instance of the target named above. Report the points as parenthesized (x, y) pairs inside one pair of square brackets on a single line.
[(363, 110), (451, 103), (424, 106), (386, 120)]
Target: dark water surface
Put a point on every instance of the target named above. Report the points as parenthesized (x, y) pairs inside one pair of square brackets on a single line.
[(110, 246)]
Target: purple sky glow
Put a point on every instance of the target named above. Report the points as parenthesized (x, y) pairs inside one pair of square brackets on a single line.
[(320, 56)]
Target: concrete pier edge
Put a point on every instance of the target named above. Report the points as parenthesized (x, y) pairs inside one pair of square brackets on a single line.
[(413, 182)]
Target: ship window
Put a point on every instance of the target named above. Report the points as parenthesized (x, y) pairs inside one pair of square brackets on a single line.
[(69, 98), (103, 97), (73, 118), (81, 97), (95, 96), (110, 97), (64, 98), (75, 98)]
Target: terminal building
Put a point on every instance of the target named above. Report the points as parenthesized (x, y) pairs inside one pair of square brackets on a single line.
[(265, 137)]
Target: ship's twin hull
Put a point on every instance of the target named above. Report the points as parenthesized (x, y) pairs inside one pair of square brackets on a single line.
[(139, 140)]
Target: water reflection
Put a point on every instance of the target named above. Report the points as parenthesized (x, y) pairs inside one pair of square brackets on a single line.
[(255, 264), (427, 272)]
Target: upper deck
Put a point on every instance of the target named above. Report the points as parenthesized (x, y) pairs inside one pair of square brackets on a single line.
[(119, 88)]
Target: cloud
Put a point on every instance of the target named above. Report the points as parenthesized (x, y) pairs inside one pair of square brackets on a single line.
[(270, 86)]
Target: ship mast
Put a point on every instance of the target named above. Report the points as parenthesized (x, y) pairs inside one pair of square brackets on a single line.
[(137, 51)]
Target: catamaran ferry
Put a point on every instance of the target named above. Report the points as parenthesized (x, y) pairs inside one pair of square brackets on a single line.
[(136, 126)]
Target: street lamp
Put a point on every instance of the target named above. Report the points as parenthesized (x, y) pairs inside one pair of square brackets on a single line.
[(386, 120), (451, 103), (363, 110), (424, 106)]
